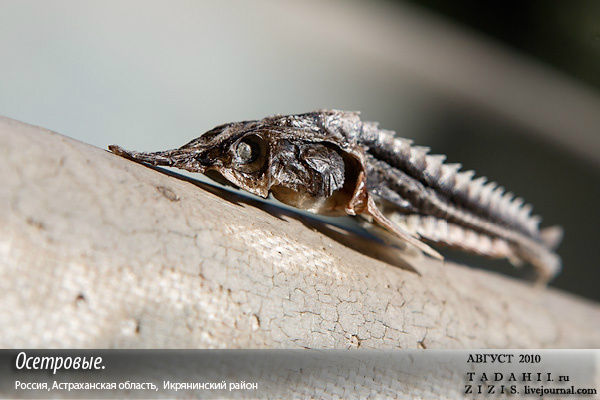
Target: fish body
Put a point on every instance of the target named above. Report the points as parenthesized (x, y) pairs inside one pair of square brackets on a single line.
[(331, 162)]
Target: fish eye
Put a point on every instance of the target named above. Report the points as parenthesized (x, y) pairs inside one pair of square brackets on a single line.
[(246, 152), (250, 153)]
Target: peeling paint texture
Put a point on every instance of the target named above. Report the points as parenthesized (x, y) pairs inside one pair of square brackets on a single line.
[(97, 251)]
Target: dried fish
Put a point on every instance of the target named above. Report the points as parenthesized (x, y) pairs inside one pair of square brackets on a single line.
[(330, 162)]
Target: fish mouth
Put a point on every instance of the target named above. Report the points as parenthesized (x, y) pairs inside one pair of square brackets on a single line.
[(187, 159)]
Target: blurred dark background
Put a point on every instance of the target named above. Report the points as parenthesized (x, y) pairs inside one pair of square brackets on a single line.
[(509, 89), (564, 188), (563, 34)]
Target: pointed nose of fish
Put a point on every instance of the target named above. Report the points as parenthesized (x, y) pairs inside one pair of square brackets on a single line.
[(180, 158)]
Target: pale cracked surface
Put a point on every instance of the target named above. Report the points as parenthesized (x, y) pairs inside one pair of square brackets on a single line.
[(97, 251)]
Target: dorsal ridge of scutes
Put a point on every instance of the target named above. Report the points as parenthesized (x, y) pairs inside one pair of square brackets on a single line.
[(487, 196)]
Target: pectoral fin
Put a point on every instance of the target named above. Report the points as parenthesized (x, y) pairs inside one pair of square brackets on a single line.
[(378, 217)]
